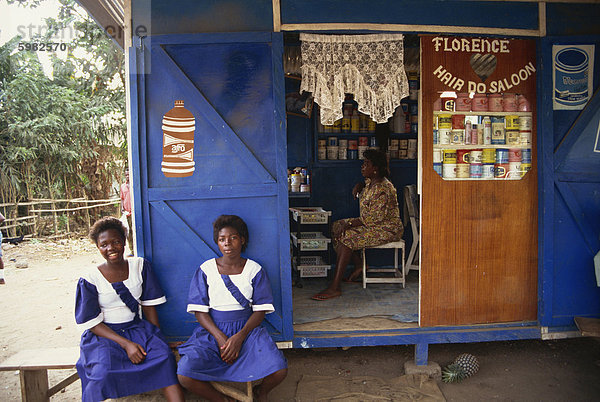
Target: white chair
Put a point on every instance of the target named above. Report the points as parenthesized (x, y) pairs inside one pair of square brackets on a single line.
[(411, 203), (399, 275)]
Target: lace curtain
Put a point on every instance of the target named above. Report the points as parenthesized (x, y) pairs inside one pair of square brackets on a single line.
[(369, 66)]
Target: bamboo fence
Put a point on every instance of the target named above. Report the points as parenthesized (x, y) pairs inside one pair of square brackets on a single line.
[(29, 218)]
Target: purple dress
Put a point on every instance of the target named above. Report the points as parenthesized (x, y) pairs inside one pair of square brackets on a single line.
[(103, 366), (230, 300)]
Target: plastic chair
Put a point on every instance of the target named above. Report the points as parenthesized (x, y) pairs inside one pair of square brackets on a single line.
[(399, 275)]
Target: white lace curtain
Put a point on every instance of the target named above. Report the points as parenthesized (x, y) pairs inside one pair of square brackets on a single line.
[(369, 66)]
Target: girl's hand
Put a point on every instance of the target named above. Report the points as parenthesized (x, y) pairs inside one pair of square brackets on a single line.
[(231, 349), (135, 352)]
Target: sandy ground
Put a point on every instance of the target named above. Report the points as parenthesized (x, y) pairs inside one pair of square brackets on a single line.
[(36, 311)]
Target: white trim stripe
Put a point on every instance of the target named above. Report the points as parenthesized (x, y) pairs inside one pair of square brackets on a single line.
[(153, 302), (192, 308), (91, 323)]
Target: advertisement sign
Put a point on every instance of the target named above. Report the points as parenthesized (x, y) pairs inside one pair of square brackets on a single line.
[(572, 75)]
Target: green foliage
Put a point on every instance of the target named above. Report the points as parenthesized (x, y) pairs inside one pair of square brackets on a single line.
[(58, 133)]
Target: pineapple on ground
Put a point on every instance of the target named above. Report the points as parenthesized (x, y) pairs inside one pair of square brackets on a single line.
[(464, 366)]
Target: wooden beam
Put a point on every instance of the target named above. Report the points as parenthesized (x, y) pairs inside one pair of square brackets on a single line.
[(276, 16), (446, 29)]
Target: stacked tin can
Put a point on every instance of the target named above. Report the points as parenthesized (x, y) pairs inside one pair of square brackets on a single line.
[(449, 163), (332, 148)]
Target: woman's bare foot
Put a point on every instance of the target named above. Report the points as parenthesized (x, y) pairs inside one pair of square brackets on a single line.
[(327, 294), (354, 276)]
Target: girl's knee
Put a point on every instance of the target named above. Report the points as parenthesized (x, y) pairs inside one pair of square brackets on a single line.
[(186, 382)]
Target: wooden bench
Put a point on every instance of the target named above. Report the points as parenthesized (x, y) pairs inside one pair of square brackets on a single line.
[(33, 366)]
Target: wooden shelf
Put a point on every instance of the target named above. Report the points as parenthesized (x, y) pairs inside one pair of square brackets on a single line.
[(438, 112), (480, 146)]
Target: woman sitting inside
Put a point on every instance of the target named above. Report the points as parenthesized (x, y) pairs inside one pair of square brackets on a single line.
[(379, 221)]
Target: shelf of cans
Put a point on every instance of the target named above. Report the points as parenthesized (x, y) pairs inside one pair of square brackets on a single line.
[(334, 148)]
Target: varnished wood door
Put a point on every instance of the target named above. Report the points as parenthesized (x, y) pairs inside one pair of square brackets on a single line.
[(479, 238)]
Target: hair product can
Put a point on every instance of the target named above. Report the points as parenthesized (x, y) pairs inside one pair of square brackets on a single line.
[(462, 170), (487, 171), (475, 170), (462, 156), (513, 137), (515, 155), (458, 137), (449, 170), (444, 136), (445, 121), (498, 134), (361, 150), (488, 155), (502, 155), (495, 103), (501, 170), (514, 170), (322, 153), (512, 122), (526, 155), (449, 156), (458, 122), (476, 156), (437, 167), (332, 141), (487, 130), (509, 102), (437, 156)]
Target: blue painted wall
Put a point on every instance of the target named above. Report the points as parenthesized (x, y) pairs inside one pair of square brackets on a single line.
[(566, 285)]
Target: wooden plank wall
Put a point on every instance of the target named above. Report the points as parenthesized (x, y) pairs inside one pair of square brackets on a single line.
[(479, 238)]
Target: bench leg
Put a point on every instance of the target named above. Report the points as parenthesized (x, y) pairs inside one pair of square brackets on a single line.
[(34, 385)]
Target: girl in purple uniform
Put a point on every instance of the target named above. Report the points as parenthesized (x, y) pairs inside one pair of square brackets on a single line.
[(230, 296), (121, 352)]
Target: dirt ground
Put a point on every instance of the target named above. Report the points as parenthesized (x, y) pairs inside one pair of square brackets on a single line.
[(36, 311)]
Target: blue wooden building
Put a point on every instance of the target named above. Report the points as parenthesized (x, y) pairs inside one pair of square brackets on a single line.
[(224, 59)]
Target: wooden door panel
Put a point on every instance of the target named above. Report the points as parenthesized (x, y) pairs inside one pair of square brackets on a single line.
[(478, 238)]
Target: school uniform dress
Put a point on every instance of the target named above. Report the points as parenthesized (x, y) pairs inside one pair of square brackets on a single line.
[(103, 366), (230, 300)]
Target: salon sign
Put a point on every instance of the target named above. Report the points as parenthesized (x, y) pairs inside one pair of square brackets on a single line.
[(481, 65)]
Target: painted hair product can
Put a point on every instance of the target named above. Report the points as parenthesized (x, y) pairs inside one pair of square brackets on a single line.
[(509, 102), (458, 137), (322, 153), (525, 123), (501, 170), (475, 170), (445, 121), (513, 137), (525, 167), (487, 171), (364, 141), (495, 103), (437, 156), (437, 167), (342, 153), (515, 155), (475, 134), (444, 136), (462, 156), (512, 122), (449, 156), (352, 153), (526, 155), (463, 102), (449, 170), (352, 144), (458, 122), (487, 130), (476, 156), (332, 141), (502, 155), (498, 133), (524, 137), (479, 103), (514, 170), (462, 171), (488, 155)]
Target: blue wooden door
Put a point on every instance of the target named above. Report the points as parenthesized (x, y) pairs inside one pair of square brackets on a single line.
[(569, 210), (232, 84)]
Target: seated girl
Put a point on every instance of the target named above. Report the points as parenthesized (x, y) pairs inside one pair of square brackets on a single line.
[(230, 296), (121, 352)]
